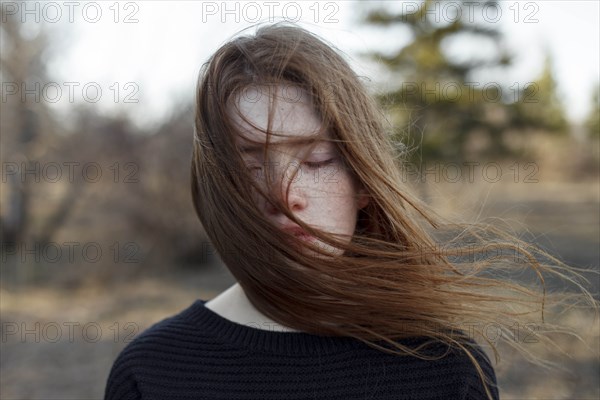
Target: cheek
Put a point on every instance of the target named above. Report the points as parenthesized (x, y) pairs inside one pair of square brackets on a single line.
[(336, 200)]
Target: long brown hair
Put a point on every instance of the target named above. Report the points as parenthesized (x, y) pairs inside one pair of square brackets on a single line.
[(406, 272)]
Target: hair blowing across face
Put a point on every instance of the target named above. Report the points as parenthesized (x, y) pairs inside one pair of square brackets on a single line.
[(406, 272)]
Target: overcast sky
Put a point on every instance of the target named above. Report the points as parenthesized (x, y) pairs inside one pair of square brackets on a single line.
[(150, 51)]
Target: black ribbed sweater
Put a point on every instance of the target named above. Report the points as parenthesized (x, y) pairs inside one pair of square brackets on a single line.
[(198, 354)]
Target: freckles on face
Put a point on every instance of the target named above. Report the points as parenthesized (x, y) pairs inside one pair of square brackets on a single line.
[(322, 192)]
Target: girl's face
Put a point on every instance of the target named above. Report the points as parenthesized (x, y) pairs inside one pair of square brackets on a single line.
[(323, 194)]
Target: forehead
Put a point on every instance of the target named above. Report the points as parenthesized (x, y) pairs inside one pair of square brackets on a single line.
[(293, 115)]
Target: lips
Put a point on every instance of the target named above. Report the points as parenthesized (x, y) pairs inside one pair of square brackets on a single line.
[(298, 232)]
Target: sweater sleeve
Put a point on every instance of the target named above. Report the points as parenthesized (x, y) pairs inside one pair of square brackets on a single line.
[(121, 383)]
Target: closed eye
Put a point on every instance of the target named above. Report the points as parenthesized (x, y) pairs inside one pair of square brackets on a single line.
[(319, 164)]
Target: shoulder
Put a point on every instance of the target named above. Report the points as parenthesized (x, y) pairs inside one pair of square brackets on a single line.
[(139, 356), (449, 371), (472, 367)]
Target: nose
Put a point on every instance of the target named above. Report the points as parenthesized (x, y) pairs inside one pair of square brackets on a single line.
[(295, 198)]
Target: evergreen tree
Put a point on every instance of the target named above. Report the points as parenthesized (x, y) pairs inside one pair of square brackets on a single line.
[(539, 105), (439, 108)]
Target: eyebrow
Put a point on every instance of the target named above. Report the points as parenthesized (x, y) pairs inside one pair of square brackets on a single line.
[(257, 149)]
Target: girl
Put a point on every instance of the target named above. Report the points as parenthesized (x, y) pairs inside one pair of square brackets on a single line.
[(347, 286)]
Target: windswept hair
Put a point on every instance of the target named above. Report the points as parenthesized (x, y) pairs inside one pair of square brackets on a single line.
[(407, 272)]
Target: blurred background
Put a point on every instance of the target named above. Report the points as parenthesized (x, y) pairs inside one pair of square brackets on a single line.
[(496, 103)]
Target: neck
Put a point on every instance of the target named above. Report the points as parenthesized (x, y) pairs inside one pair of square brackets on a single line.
[(233, 304)]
